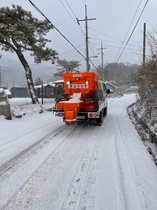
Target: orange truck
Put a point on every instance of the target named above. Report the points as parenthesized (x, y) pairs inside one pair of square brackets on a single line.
[(85, 97)]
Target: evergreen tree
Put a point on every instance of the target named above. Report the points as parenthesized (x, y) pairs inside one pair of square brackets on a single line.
[(20, 32), (67, 66), (38, 81)]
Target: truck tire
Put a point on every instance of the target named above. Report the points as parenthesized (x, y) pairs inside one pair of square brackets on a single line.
[(105, 112), (101, 118)]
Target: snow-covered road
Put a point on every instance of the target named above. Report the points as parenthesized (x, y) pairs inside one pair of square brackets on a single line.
[(46, 165)]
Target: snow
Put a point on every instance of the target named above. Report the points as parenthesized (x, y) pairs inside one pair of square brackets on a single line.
[(75, 98), (3, 103), (46, 165), (44, 85)]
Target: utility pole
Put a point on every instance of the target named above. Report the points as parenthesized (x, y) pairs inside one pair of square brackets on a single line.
[(102, 54), (86, 28), (144, 45), (0, 78)]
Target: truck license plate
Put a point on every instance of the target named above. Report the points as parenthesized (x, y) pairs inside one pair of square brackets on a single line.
[(81, 117)]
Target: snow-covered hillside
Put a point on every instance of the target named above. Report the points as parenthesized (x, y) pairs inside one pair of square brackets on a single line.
[(46, 165)]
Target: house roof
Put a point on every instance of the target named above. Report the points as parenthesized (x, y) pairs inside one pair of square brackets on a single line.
[(59, 81), (45, 85)]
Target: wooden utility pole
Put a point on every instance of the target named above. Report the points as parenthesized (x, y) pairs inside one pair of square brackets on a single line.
[(102, 54), (144, 45), (102, 57), (86, 28), (0, 78)]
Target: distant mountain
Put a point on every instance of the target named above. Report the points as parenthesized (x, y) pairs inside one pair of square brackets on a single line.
[(12, 73), (122, 73)]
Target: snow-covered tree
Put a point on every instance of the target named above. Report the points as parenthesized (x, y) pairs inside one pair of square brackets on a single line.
[(67, 66), (20, 32)]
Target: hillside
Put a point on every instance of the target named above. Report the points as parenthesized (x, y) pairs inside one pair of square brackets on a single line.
[(12, 72), (122, 74)]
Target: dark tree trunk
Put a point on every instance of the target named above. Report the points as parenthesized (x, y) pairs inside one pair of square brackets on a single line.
[(29, 79)]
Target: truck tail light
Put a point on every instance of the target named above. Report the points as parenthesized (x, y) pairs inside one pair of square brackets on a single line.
[(93, 115)]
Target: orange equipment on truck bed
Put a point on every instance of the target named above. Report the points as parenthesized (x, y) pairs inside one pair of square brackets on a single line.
[(81, 88)]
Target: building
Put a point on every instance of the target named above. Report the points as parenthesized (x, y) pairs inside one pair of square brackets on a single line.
[(45, 90)]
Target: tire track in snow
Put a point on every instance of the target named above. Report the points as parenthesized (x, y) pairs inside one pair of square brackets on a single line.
[(88, 194), (25, 140), (140, 188), (127, 183), (18, 159), (27, 164), (9, 143), (81, 188)]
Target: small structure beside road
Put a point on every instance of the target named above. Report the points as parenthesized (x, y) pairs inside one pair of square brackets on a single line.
[(4, 105)]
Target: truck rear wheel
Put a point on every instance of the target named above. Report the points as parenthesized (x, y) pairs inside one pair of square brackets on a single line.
[(105, 112), (101, 118)]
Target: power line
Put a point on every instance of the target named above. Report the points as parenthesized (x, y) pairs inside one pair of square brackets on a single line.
[(117, 40), (74, 16), (60, 32), (67, 11), (73, 49), (56, 28), (129, 28), (105, 34), (70, 8), (132, 31), (131, 45), (113, 46), (71, 16)]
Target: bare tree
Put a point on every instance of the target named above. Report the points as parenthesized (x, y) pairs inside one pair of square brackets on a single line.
[(148, 77)]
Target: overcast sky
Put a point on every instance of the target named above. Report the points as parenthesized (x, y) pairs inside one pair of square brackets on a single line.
[(111, 27)]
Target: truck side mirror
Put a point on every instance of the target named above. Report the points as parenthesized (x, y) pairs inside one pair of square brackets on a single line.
[(108, 91)]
